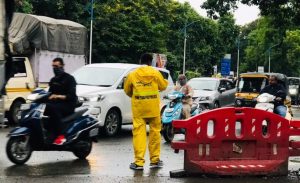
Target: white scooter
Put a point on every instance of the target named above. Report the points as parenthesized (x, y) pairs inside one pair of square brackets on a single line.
[(265, 102)]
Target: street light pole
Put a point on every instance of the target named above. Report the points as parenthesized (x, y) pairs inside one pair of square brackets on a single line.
[(269, 51), (238, 58), (184, 43), (184, 49), (91, 31)]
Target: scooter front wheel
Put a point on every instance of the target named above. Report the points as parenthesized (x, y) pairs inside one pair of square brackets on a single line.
[(83, 148), (18, 150), (168, 132)]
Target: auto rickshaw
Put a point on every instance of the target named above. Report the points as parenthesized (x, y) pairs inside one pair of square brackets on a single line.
[(250, 84), (294, 86)]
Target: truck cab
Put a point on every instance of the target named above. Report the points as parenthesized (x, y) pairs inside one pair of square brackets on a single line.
[(18, 87)]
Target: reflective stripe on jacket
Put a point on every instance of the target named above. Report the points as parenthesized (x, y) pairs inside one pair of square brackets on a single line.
[(143, 86)]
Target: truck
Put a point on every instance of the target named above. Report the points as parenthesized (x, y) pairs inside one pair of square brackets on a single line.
[(6, 11), (34, 42)]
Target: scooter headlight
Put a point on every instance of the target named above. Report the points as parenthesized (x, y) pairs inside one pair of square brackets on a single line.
[(293, 91), (172, 96)]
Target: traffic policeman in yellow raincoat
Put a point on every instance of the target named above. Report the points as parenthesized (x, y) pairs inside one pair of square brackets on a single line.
[(143, 86)]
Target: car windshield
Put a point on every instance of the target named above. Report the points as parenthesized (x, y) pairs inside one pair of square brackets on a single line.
[(199, 84), (98, 76), (254, 84)]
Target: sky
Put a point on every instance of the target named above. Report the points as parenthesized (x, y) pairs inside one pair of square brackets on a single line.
[(243, 15)]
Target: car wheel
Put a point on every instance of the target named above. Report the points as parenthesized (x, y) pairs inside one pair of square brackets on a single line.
[(112, 123), (216, 105), (13, 112)]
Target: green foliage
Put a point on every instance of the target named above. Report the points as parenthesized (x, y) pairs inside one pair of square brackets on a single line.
[(192, 74), (124, 29), (24, 6), (292, 41), (284, 12)]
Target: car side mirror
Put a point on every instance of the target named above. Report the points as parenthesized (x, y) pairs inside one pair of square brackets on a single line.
[(121, 85), (222, 90)]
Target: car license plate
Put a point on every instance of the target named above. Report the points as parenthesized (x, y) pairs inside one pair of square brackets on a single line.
[(94, 132)]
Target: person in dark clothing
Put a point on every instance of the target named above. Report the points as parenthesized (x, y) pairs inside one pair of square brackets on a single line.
[(62, 100), (276, 89)]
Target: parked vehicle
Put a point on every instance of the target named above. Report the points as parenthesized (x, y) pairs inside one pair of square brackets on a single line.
[(213, 92), (294, 83), (6, 9), (173, 111), (102, 85), (81, 129), (34, 47)]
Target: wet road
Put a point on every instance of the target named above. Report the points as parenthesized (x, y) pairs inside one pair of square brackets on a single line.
[(109, 162)]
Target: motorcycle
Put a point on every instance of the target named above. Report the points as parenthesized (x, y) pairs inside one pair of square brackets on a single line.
[(33, 134), (173, 111)]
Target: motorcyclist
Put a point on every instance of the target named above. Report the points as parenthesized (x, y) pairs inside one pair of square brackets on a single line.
[(276, 89), (188, 91), (62, 100)]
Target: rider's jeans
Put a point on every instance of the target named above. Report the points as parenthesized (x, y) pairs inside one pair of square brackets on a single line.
[(281, 110)]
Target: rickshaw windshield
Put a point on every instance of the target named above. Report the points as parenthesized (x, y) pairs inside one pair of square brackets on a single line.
[(255, 84), (294, 82)]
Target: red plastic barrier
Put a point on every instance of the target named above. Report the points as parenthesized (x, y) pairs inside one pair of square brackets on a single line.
[(244, 141)]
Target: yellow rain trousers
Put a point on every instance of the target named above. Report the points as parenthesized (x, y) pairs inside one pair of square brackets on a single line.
[(143, 86)]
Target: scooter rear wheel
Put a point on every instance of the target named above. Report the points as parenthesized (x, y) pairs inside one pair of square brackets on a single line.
[(168, 132), (17, 151), (82, 149)]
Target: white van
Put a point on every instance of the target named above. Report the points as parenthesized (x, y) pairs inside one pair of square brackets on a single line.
[(102, 84)]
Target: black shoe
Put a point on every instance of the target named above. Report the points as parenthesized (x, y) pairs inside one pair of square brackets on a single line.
[(134, 166), (159, 164)]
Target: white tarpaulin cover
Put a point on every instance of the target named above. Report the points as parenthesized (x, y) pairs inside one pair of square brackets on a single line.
[(28, 31), (41, 63)]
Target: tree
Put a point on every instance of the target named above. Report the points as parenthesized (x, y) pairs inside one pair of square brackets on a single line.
[(292, 41), (124, 29)]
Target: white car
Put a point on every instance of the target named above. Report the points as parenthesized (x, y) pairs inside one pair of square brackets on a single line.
[(102, 85)]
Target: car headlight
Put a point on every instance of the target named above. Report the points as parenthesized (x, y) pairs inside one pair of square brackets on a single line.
[(83, 99), (94, 98), (203, 98)]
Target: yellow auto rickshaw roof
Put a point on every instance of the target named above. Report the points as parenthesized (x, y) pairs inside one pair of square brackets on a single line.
[(253, 75)]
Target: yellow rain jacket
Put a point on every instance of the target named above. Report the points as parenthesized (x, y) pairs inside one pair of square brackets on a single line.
[(143, 86)]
